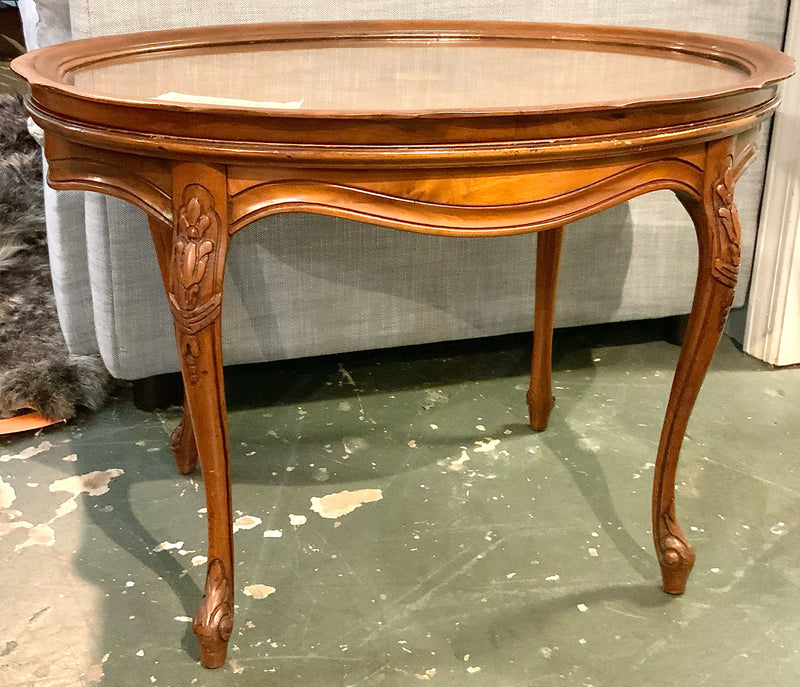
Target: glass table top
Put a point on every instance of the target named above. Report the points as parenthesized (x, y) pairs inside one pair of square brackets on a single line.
[(414, 75)]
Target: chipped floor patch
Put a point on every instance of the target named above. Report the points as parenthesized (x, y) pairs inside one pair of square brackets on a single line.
[(246, 522), (199, 560), (26, 453), (427, 675), (273, 534), (343, 502), (167, 545), (43, 535), (7, 494), (458, 464), (258, 591), (297, 520), (92, 483), (486, 446)]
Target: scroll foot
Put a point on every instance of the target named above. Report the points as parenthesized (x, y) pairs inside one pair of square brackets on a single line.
[(213, 622), (675, 555)]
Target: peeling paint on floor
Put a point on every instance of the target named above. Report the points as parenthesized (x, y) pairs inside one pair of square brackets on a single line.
[(458, 464), (42, 535), (258, 591), (246, 522), (486, 446), (7, 494), (92, 483), (27, 453), (458, 576), (343, 502)]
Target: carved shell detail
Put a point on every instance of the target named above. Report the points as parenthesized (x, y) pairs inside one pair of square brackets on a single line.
[(213, 622), (675, 550), (728, 249)]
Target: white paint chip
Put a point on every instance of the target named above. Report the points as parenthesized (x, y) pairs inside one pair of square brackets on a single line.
[(486, 446), (199, 560), (67, 507), (71, 458), (458, 464), (552, 578), (593, 552), (297, 520), (427, 675), (246, 522), (43, 535), (343, 502), (26, 453), (582, 608), (7, 494), (167, 545), (473, 669), (183, 618), (91, 483), (258, 591), (273, 534)]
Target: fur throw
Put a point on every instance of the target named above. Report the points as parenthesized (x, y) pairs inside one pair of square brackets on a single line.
[(36, 370)]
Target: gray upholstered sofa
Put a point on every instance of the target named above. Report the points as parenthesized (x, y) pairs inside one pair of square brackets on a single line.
[(300, 285)]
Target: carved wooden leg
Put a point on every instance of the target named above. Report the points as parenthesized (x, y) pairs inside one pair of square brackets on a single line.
[(196, 249), (540, 394), (182, 441), (718, 235)]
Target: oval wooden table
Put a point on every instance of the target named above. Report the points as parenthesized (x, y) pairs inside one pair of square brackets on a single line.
[(460, 129)]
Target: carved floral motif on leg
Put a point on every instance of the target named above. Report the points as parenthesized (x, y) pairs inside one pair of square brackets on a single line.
[(195, 295), (213, 622), (728, 256), (729, 236)]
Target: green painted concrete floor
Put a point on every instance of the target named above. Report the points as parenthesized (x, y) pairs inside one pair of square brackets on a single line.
[(496, 555)]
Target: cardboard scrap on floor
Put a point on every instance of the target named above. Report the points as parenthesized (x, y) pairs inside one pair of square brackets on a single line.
[(25, 423)]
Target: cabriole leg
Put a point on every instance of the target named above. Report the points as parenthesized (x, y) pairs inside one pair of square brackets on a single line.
[(540, 394), (718, 234), (181, 440), (183, 443), (196, 250)]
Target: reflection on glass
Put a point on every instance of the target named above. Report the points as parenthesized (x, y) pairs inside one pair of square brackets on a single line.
[(408, 75)]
